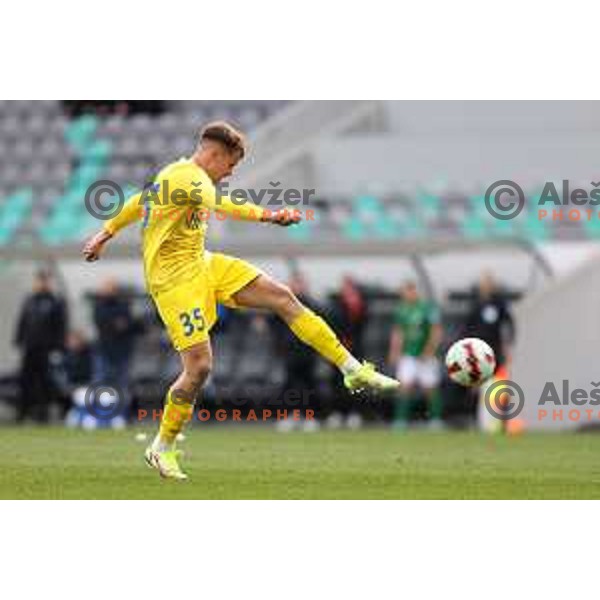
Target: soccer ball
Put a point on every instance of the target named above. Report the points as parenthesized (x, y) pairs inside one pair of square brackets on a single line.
[(470, 362)]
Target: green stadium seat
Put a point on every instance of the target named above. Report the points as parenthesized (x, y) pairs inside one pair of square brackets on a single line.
[(503, 227), (428, 205), (371, 212), (69, 219), (73, 199), (85, 175), (52, 237), (592, 227), (6, 236), (406, 224), (367, 203), (534, 229), (87, 224), (478, 223), (13, 214), (22, 198), (300, 232), (478, 207), (80, 132), (474, 227), (386, 230), (531, 227), (99, 151), (10, 219), (63, 219), (353, 229)]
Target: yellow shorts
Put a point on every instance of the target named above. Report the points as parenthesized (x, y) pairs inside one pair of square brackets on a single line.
[(189, 309)]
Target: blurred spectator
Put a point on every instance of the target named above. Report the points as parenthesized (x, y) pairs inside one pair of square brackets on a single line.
[(348, 315), (75, 369), (78, 360), (101, 108), (40, 332), (415, 339), (299, 364), (349, 308), (490, 319), (117, 330)]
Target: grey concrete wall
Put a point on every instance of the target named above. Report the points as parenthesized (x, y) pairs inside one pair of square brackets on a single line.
[(464, 143), (559, 339), (388, 163)]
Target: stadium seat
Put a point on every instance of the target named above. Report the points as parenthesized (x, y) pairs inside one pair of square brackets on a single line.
[(85, 175), (301, 231), (592, 227), (60, 228), (474, 227), (399, 219), (502, 227), (531, 226), (98, 151), (476, 222), (428, 204), (353, 229), (371, 213), (10, 127), (14, 213), (80, 131), (23, 150)]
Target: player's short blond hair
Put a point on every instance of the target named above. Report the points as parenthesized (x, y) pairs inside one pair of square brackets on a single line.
[(224, 133)]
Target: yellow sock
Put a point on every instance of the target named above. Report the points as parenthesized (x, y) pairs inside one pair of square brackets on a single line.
[(177, 412), (314, 331)]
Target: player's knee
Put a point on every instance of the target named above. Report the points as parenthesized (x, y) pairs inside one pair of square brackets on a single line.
[(284, 300)]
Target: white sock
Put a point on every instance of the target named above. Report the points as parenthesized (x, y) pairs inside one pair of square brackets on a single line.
[(350, 366), (159, 445)]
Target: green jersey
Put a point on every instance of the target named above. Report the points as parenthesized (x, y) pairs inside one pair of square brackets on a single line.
[(415, 320)]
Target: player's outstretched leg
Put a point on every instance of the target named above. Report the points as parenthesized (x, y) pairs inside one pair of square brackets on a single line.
[(311, 329), (179, 407)]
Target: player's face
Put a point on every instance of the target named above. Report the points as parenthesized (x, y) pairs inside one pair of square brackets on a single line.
[(410, 293), (224, 164), (486, 285), (41, 284)]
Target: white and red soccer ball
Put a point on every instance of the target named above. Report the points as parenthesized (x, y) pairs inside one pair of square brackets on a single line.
[(470, 362)]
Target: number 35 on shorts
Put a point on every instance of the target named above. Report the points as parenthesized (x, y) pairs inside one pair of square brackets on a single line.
[(192, 321)]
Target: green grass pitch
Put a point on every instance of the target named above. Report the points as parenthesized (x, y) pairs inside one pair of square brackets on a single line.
[(255, 462)]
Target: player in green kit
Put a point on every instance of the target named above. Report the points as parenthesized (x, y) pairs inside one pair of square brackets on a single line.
[(415, 338)]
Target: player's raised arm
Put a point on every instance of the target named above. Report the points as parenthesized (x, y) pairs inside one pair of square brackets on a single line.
[(130, 213), (250, 211), (220, 149), (203, 194), (126, 216)]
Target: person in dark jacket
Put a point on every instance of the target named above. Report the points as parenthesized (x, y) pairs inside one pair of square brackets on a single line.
[(78, 360), (117, 329), (300, 365), (40, 332), (490, 319), (349, 314), (347, 311), (74, 370)]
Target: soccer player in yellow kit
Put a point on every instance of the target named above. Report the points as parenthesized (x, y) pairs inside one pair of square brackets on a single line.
[(186, 281)]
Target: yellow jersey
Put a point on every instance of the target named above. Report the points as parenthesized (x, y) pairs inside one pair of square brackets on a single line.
[(174, 217)]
